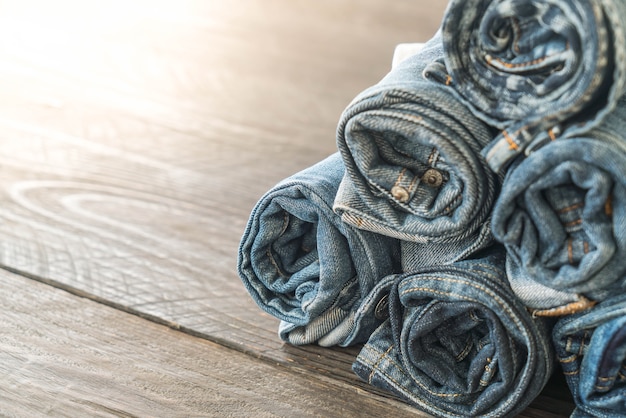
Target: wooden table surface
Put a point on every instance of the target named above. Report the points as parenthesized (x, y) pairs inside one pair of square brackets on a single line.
[(135, 138)]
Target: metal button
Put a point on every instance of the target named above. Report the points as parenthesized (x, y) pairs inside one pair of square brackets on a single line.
[(432, 177), (400, 193), (382, 311)]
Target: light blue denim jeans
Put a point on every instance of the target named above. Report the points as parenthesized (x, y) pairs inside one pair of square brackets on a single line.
[(413, 165), (591, 348), (562, 216), (457, 342), (535, 67), (303, 265)]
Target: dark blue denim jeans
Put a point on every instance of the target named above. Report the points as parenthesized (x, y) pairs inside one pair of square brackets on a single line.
[(562, 217), (303, 265), (591, 348), (457, 342), (413, 165), (535, 68)]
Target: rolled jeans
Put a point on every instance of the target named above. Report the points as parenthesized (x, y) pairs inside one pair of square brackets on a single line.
[(535, 67), (303, 265), (561, 215), (413, 164), (457, 341), (591, 348)]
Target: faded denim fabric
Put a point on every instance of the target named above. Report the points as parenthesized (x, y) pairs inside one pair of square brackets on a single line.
[(413, 165), (458, 342), (301, 264), (591, 347), (562, 216), (535, 68), (415, 255)]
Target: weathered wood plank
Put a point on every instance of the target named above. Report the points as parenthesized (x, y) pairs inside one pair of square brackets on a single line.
[(61, 355)]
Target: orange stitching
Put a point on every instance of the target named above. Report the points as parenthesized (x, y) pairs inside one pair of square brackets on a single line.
[(571, 207), (448, 80), (509, 65), (400, 177), (582, 343), (512, 144), (573, 223), (449, 207), (488, 371), (274, 263), (608, 206), (581, 304), (569, 359), (465, 351), (551, 134), (431, 156), (570, 250), (375, 365), (586, 247), (516, 28), (604, 382), (412, 184)]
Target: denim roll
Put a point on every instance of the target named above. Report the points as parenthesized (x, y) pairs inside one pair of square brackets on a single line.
[(535, 67), (413, 165), (302, 264), (591, 348), (561, 215), (458, 343)]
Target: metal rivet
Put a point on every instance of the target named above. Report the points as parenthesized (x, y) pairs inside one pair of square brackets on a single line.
[(432, 177), (400, 193), (382, 311)]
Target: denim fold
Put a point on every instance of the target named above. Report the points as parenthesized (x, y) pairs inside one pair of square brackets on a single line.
[(303, 265), (535, 68), (591, 348), (457, 341), (413, 165), (561, 215)]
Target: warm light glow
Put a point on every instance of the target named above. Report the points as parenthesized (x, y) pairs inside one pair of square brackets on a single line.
[(40, 19), (54, 29), (121, 44)]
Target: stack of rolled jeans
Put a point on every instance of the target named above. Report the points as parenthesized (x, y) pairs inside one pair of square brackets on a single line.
[(472, 221)]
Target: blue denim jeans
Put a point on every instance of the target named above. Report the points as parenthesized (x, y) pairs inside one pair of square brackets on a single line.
[(413, 164), (591, 348), (532, 67), (562, 216), (301, 264), (457, 341)]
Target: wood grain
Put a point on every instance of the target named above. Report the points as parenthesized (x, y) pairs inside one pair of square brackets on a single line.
[(66, 356), (135, 138)]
